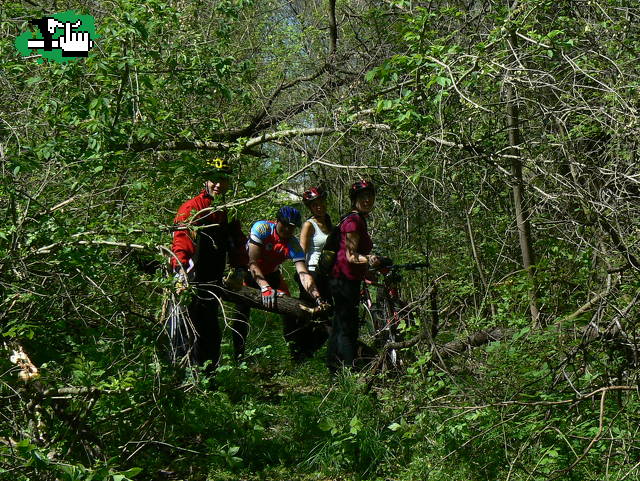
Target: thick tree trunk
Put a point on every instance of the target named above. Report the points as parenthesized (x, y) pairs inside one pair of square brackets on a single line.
[(522, 213), (333, 31)]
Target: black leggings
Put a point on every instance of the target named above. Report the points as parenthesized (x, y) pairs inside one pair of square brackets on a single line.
[(343, 341), (208, 336), (316, 333)]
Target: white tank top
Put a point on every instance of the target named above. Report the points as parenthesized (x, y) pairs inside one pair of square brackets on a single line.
[(317, 243)]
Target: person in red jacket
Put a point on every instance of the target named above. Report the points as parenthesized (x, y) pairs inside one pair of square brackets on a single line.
[(203, 237)]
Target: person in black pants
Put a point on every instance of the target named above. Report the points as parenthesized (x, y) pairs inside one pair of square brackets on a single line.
[(352, 261), (202, 240)]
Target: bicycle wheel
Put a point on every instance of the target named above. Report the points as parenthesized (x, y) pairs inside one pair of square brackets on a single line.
[(367, 330), (385, 322)]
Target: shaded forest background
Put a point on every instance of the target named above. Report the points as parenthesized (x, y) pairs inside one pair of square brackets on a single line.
[(503, 136)]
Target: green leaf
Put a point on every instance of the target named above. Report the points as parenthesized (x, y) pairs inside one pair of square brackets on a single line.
[(130, 473), (442, 81), (24, 444), (521, 332), (355, 424), (40, 456), (370, 75), (326, 424), (394, 426)]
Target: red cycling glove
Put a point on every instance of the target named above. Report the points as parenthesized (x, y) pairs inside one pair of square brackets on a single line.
[(268, 297)]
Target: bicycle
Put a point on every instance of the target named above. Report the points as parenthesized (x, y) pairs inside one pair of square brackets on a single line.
[(389, 314)]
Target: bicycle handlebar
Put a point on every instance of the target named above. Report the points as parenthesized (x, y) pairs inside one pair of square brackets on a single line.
[(406, 267), (410, 266)]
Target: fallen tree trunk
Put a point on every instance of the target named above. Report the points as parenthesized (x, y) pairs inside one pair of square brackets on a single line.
[(285, 305), (480, 338), (450, 349)]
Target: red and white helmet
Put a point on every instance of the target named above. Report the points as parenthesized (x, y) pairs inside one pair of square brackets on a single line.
[(361, 186), (312, 194)]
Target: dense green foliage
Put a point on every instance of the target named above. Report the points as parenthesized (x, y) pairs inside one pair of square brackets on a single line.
[(97, 155)]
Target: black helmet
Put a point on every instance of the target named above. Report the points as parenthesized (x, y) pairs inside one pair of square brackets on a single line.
[(361, 186), (218, 168), (312, 194), (289, 215)]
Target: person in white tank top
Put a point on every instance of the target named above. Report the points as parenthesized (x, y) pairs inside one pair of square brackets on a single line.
[(316, 229), (313, 236), (318, 238)]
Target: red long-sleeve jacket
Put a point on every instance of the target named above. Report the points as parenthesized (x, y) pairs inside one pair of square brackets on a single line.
[(215, 235)]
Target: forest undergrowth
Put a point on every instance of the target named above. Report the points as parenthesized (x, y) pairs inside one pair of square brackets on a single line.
[(502, 137), (509, 411)]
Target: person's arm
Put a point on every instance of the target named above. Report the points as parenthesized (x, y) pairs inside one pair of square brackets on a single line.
[(255, 252), (306, 279), (306, 234), (354, 257), (183, 245), (268, 293)]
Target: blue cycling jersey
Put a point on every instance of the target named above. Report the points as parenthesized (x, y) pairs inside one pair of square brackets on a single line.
[(274, 250)]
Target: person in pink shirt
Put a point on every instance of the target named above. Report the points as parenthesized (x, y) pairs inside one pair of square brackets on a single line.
[(353, 259)]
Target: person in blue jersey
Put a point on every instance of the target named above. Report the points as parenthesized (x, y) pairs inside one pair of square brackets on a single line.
[(270, 244)]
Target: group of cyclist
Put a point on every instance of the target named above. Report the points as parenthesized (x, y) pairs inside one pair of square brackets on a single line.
[(204, 237)]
